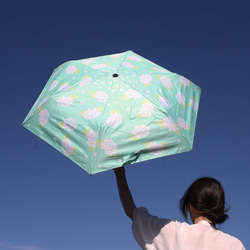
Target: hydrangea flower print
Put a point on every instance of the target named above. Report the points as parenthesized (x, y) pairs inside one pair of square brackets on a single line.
[(181, 99), (129, 65), (88, 61), (72, 69), (146, 79), (184, 81), (146, 110), (69, 124), (86, 80), (193, 104), (182, 124), (166, 82), (59, 69), (65, 101), (53, 85), (155, 148), (101, 96), (109, 146), (65, 87), (91, 136), (115, 56), (168, 122), (67, 146), (139, 132), (114, 119), (43, 116), (131, 94), (91, 113), (163, 100), (100, 66), (134, 58)]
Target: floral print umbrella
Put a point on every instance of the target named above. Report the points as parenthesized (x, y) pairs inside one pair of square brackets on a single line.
[(114, 110)]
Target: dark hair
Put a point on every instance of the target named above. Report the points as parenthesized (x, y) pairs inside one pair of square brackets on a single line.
[(207, 196)]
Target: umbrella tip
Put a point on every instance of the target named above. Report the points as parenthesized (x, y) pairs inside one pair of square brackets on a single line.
[(115, 75)]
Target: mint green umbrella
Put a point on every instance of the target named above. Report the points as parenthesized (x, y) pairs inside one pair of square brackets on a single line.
[(114, 110)]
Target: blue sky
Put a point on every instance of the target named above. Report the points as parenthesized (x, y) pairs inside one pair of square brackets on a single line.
[(48, 202)]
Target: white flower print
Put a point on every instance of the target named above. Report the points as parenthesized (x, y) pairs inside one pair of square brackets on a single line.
[(99, 66), (146, 79), (65, 101), (146, 110), (71, 69), (114, 119), (154, 148), (109, 146), (128, 65), (184, 81), (167, 122), (182, 124), (91, 136), (131, 94), (91, 113), (101, 96), (44, 117), (134, 58), (57, 71), (180, 98), (193, 104), (88, 61), (70, 124), (67, 147), (139, 132), (159, 69), (42, 102), (65, 87), (86, 80), (164, 102), (53, 85), (166, 82)]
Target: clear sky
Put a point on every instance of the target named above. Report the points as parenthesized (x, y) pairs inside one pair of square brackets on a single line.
[(48, 202)]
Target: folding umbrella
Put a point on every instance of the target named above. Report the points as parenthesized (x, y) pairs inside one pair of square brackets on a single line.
[(114, 110)]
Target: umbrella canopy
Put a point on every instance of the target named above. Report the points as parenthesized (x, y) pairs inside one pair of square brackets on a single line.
[(114, 110)]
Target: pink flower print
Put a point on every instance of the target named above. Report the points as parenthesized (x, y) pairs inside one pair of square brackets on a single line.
[(91, 136), (99, 66), (53, 85), (109, 146), (86, 80), (114, 119), (128, 65), (88, 61), (134, 58), (193, 104), (184, 81), (181, 99), (164, 102), (72, 69), (146, 79), (101, 96), (146, 110), (44, 117), (65, 101), (91, 113), (69, 123), (139, 132), (182, 124), (65, 87), (166, 82), (167, 122), (67, 147), (131, 94), (154, 148)]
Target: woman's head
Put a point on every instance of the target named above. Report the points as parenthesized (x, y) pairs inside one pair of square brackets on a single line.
[(207, 197)]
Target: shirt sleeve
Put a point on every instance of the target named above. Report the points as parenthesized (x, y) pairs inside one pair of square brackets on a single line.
[(146, 227)]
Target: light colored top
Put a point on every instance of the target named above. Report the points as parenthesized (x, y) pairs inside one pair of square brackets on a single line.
[(153, 233)]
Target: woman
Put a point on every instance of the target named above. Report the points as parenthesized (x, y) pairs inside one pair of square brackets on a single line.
[(204, 201)]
